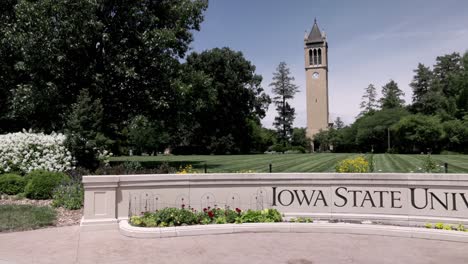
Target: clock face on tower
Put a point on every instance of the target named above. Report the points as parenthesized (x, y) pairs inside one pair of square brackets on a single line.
[(315, 75)]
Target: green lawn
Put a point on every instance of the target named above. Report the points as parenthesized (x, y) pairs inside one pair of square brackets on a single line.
[(25, 217), (297, 162)]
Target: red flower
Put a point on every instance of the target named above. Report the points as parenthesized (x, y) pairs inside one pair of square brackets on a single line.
[(183, 206), (238, 210), (210, 214), (204, 209)]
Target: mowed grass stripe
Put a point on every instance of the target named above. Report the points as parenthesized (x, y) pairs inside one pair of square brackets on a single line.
[(324, 162)]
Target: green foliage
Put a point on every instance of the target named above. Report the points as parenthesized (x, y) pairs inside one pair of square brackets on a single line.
[(301, 220), (69, 196), (134, 168), (369, 100), (429, 165), (146, 136), (84, 131), (418, 133), (182, 216), (447, 227), (356, 165), (132, 165), (299, 139), (41, 184), (461, 228), (439, 226), (284, 90), (223, 100), (11, 184), (260, 216), (428, 225), (126, 53), (391, 96), (25, 217)]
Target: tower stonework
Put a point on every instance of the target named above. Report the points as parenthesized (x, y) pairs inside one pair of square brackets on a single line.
[(316, 69)]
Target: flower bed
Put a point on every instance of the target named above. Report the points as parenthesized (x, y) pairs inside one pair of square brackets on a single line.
[(182, 217)]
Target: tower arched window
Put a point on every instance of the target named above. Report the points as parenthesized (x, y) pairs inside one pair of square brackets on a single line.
[(320, 56), (310, 57), (315, 57)]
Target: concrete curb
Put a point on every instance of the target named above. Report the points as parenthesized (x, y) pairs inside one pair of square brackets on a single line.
[(335, 228)]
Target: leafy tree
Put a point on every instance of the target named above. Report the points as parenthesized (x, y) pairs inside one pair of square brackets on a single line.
[(284, 90), (322, 140), (456, 135), (369, 100), (223, 95), (416, 133), (299, 138), (372, 130), (126, 52), (8, 58), (146, 136), (391, 96), (421, 85)]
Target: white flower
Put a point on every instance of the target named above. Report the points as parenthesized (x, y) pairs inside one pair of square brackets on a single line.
[(27, 151)]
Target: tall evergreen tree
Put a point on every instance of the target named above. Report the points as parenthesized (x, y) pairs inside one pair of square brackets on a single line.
[(284, 90), (421, 85), (391, 96), (369, 100), (339, 124)]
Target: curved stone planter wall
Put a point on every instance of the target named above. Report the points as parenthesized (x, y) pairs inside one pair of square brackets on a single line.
[(403, 199), (334, 228)]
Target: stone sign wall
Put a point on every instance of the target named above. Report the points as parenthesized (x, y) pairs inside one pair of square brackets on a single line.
[(404, 199)]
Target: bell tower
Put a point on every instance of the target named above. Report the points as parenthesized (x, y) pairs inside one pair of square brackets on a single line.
[(316, 69)]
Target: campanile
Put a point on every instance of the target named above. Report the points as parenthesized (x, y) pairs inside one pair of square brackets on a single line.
[(316, 69)]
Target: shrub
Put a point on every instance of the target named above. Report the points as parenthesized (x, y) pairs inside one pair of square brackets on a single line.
[(187, 169), (41, 183), (123, 169), (27, 151), (11, 184), (69, 196), (356, 165), (430, 165), (439, 226), (263, 216)]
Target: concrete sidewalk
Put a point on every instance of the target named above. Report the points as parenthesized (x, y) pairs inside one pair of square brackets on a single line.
[(69, 245)]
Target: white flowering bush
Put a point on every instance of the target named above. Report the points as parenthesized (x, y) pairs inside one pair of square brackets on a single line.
[(26, 151)]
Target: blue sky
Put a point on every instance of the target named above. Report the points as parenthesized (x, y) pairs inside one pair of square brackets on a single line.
[(369, 41)]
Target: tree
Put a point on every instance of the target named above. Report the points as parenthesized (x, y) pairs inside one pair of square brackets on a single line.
[(299, 138), (372, 130), (222, 96), (446, 69), (456, 135), (284, 90), (126, 52), (369, 100), (416, 133), (146, 136), (421, 85), (84, 131), (8, 58), (339, 124), (391, 96)]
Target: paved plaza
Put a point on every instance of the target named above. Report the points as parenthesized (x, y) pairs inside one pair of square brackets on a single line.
[(69, 245)]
